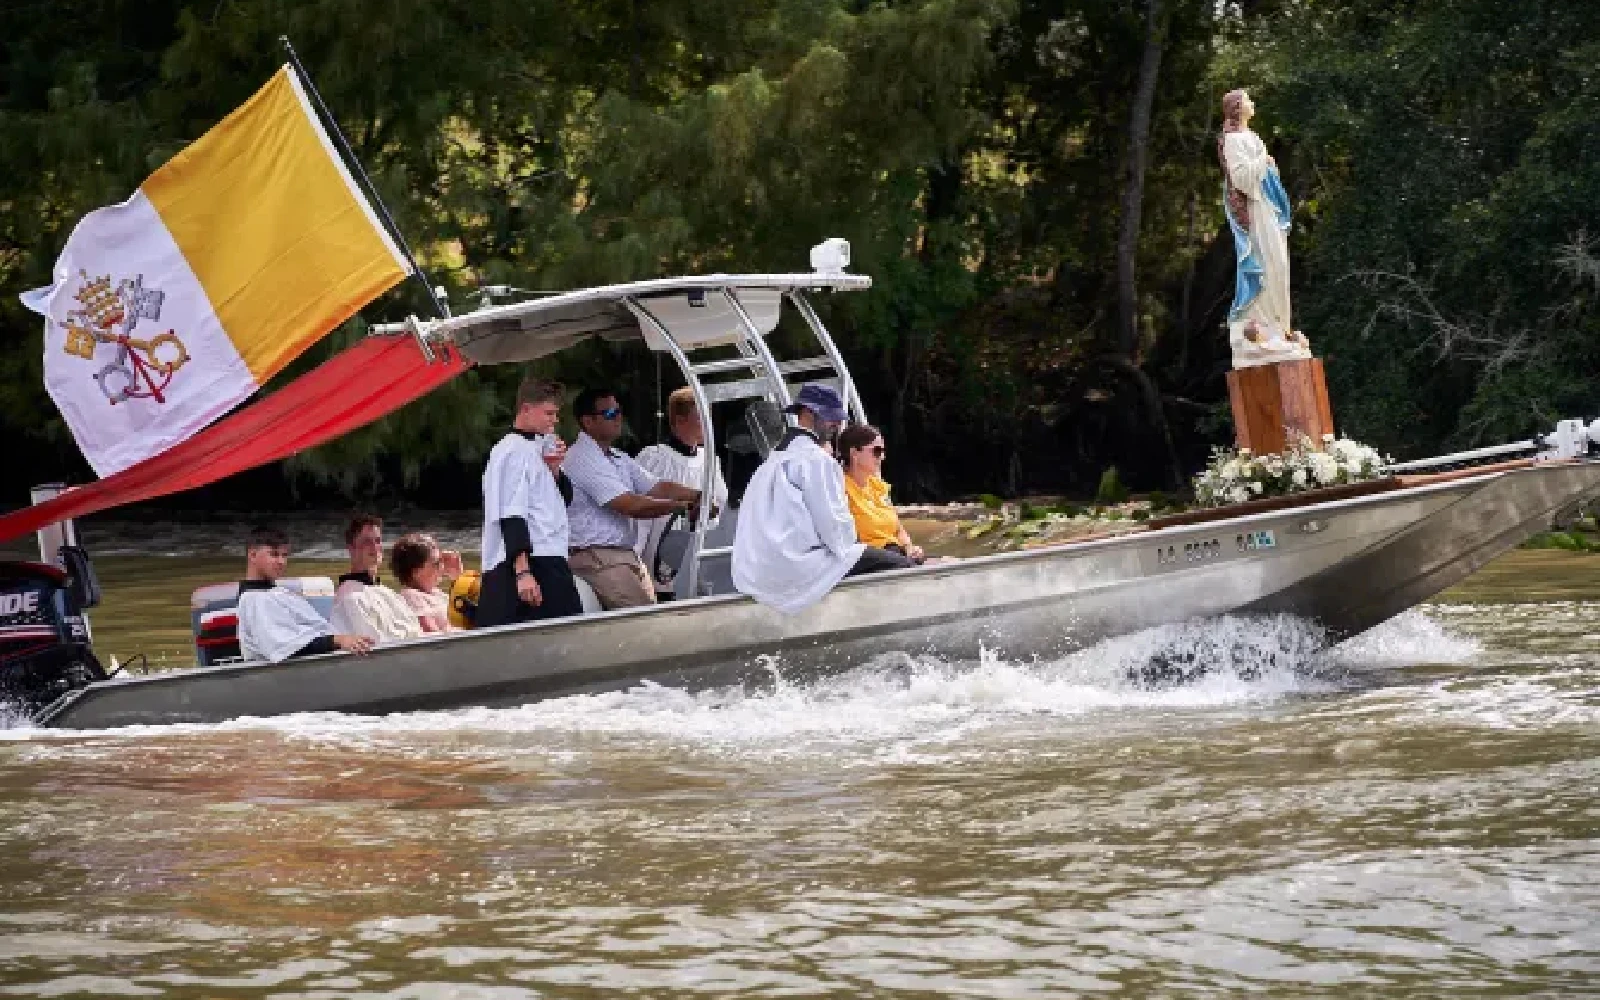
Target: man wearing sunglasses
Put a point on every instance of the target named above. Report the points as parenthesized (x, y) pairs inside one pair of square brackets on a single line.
[(609, 493)]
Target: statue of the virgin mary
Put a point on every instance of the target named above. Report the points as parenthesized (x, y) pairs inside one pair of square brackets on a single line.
[(1257, 208)]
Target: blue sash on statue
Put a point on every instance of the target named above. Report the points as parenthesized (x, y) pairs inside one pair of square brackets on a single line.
[(1248, 270)]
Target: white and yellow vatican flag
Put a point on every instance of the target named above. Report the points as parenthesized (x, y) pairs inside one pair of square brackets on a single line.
[(171, 308)]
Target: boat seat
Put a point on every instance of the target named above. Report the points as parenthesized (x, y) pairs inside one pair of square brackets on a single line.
[(214, 615), (587, 597)]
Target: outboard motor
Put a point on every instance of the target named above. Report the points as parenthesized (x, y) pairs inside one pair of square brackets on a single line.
[(44, 634), (44, 640)]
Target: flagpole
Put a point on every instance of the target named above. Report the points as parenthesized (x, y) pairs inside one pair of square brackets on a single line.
[(440, 306)]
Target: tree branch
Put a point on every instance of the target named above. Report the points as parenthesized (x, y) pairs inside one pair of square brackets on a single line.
[(1403, 298)]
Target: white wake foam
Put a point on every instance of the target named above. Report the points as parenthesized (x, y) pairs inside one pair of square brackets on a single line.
[(1248, 660), (1409, 638)]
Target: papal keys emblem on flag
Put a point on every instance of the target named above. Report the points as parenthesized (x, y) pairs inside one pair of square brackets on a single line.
[(171, 308), (138, 367)]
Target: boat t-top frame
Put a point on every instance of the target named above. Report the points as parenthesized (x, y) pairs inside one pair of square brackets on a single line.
[(715, 327)]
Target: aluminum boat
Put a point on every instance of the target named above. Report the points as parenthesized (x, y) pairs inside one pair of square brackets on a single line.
[(1347, 559)]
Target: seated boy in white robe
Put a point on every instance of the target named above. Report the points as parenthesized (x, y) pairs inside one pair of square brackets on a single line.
[(276, 623), (362, 605)]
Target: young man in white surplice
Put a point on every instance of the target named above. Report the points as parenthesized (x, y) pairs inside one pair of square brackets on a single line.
[(276, 623), (363, 539), (525, 532), (679, 459), (796, 537), (362, 605)]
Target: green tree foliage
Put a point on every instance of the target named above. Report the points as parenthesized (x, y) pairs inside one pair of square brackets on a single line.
[(1447, 155), (1044, 306)]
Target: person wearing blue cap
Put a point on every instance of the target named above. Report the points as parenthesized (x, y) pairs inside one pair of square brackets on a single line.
[(796, 537)]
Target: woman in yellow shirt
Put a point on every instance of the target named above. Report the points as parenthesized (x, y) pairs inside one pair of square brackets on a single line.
[(877, 522)]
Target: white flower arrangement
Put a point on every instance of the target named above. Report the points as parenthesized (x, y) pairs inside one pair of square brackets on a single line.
[(1237, 476)]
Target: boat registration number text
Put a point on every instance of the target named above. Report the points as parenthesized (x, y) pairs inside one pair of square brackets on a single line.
[(1190, 552), (1211, 548), (1252, 540)]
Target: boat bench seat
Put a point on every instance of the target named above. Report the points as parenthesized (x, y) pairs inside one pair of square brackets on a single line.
[(214, 615), (587, 598)]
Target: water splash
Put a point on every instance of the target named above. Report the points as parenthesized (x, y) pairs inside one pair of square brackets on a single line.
[(12, 716), (1543, 659), (1409, 638), (1215, 652), (1239, 660)]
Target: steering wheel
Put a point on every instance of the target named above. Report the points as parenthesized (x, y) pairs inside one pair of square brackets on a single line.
[(672, 523)]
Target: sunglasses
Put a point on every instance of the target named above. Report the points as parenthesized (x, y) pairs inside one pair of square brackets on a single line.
[(877, 451), (610, 414)]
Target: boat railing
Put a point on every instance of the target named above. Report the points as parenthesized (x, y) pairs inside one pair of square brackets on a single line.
[(1570, 439)]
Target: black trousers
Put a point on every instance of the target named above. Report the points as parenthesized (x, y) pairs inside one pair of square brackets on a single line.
[(877, 560), (498, 603)]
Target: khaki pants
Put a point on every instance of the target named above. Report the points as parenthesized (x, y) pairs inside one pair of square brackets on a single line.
[(616, 574)]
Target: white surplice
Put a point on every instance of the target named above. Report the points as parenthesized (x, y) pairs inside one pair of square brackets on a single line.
[(669, 463), (373, 611), (518, 483), (276, 624), (795, 539)]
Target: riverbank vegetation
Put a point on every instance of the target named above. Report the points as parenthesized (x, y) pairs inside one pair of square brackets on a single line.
[(1033, 186)]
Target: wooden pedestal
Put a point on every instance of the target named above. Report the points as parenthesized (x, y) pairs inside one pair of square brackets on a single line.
[(1272, 401)]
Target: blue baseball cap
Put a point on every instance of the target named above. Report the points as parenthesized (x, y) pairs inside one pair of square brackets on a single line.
[(822, 400)]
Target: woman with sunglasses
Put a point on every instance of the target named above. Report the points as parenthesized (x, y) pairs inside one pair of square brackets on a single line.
[(877, 522)]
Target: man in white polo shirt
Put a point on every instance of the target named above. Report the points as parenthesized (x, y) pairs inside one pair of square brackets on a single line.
[(609, 493)]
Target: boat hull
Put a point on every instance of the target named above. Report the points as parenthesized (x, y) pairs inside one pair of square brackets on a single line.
[(1348, 564)]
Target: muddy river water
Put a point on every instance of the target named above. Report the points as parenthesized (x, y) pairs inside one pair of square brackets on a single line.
[(1414, 812)]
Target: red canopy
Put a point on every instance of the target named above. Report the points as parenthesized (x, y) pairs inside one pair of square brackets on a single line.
[(375, 377)]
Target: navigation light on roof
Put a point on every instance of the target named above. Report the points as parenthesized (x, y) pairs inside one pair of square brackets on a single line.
[(831, 256)]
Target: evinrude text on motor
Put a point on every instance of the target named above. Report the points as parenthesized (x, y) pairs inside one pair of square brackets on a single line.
[(45, 650)]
